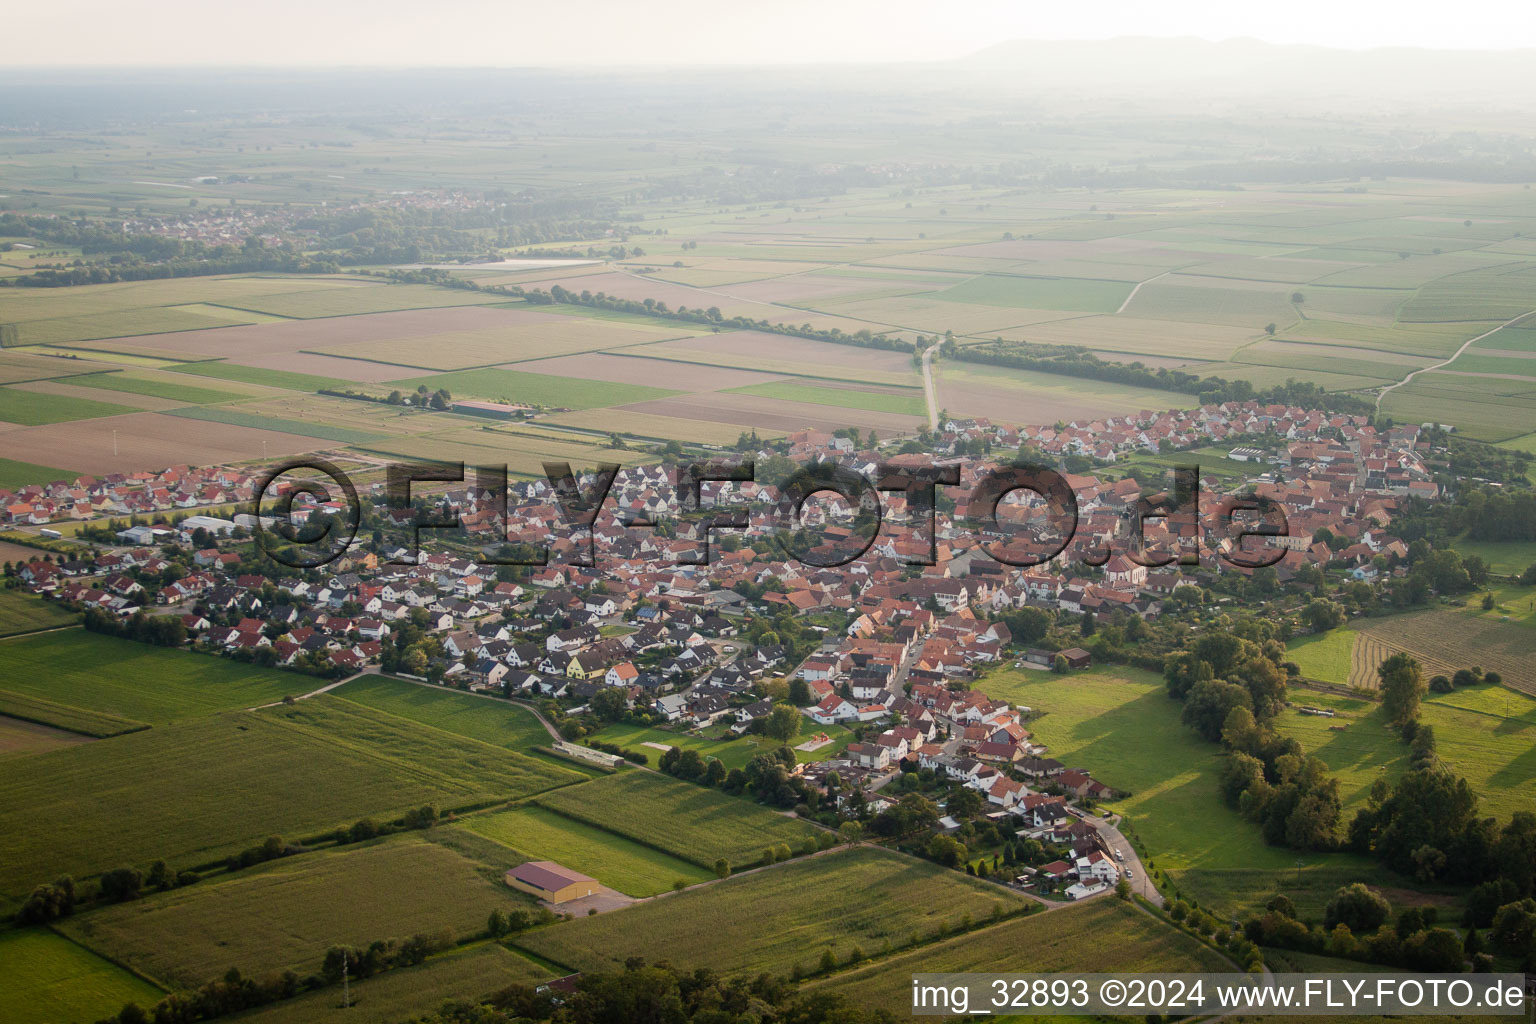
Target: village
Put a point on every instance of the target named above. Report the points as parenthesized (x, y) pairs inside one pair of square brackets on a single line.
[(886, 647)]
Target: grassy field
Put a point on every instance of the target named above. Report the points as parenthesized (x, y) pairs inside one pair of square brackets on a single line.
[(131, 680), (1101, 936), (1077, 294), (362, 298), (154, 387), (533, 833), (257, 375), (690, 822), (460, 975), (909, 403), (1324, 656), (733, 753), (1507, 558), (862, 898), (22, 613), (49, 980), (1121, 724), (304, 428), (284, 915), (194, 792), (536, 388), (33, 409), (61, 716), (14, 474), (496, 722)]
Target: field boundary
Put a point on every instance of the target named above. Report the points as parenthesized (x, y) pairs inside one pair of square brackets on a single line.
[(781, 373)]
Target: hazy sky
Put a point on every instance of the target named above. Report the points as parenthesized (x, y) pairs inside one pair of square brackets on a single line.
[(606, 32)]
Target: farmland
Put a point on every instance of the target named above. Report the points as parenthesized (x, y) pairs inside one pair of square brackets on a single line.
[(490, 721), (19, 738), (50, 979), (535, 388), (798, 910), (135, 681), (194, 792), (1101, 936), (533, 833), (284, 915), (23, 613), (32, 409), (402, 994), (59, 716), (733, 752), (689, 822)]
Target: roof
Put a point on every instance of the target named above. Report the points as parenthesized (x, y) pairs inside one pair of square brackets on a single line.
[(547, 875)]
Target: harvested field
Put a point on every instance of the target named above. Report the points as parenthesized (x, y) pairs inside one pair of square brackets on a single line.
[(1024, 397), (1444, 641), (22, 305), (21, 364), (369, 298), (775, 414), (298, 335), (647, 372), (775, 353), (662, 428), (19, 738), (556, 336), (284, 915), (521, 454), (935, 315), (811, 290), (907, 401), (59, 389), (260, 376), (1137, 336), (1368, 653), (359, 370), (148, 441), (518, 386), (260, 421)]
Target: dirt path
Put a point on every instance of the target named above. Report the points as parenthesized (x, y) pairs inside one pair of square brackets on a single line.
[(928, 390), (1446, 362), (315, 693), (1131, 296)]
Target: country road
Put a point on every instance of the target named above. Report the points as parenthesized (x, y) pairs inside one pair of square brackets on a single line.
[(928, 390), (1446, 362)]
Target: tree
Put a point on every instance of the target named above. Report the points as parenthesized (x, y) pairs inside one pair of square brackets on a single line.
[(1514, 926), (783, 723), (1357, 907), (1208, 704), (609, 704), (800, 693), (496, 925), (722, 868), (714, 772), (1402, 688), (121, 884), (1123, 889), (1321, 615)]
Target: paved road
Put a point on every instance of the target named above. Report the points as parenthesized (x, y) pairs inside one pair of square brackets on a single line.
[(1141, 885)]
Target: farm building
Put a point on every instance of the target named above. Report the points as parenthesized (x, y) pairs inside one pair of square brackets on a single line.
[(1076, 657), (491, 410), (549, 881)]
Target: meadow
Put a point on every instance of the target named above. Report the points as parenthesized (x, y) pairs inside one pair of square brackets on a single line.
[(155, 387), (733, 752), (156, 685), (15, 474), (33, 409), (798, 910), (285, 914), (22, 613), (497, 722), (1121, 724), (49, 979), (690, 822), (1104, 935), (533, 833)]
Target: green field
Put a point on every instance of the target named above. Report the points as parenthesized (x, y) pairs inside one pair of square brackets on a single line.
[(352, 300), (687, 821), (33, 409), (131, 680), (14, 474), (533, 833), (50, 980), (490, 721), (304, 428), (257, 375), (61, 716), (154, 388), (1324, 656), (907, 404), (1507, 558), (194, 792), (461, 975), (284, 915), (1121, 724), (20, 612), (733, 753), (535, 388), (1070, 293), (775, 919), (1103, 935)]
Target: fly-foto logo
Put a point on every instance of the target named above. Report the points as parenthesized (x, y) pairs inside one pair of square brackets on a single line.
[(579, 500)]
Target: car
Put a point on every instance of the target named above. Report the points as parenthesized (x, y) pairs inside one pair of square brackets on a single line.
[(1129, 873), (1120, 855)]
